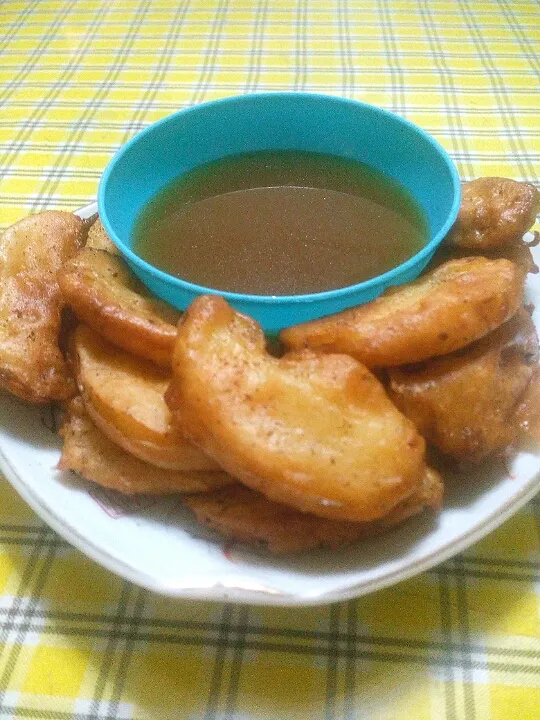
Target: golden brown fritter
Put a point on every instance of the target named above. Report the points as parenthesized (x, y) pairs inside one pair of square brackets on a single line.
[(99, 240), (104, 293), (519, 253), (446, 309), (527, 415), (428, 495), (124, 396), (314, 431), (92, 455), (247, 516), (31, 253), (494, 212), (242, 514), (463, 403)]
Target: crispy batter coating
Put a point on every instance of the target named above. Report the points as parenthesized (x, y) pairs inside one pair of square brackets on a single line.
[(317, 432), (242, 514), (92, 455), (123, 395), (527, 415), (494, 211), (99, 240), (105, 294), (443, 311), (31, 252), (519, 253), (463, 403), (428, 495)]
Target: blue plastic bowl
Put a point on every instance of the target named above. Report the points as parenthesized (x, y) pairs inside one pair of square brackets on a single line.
[(269, 121)]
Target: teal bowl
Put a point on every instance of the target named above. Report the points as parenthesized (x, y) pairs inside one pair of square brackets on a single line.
[(278, 121)]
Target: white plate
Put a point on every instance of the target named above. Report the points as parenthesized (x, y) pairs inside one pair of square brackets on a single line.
[(157, 544)]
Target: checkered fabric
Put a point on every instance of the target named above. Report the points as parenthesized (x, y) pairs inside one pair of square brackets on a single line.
[(80, 77)]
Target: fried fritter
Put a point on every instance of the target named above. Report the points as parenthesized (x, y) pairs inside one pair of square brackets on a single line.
[(123, 395), (242, 514), (444, 310), (463, 403), (494, 211), (519, 253), (317, 432), (527, 415), (99, 240), (31, 252), (89, 453), (105, 294), (428, 495)]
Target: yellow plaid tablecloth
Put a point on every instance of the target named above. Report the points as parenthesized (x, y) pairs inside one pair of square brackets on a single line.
[(78, 78)]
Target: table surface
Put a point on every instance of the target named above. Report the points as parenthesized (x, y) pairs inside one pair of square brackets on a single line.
[(80, 77)]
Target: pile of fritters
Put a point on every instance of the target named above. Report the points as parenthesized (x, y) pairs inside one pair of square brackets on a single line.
[(319, 445)]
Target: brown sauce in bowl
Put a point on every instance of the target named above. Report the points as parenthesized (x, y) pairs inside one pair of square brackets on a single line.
[(280, 223)]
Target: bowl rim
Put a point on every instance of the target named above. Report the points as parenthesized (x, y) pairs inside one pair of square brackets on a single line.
[(384, 280)]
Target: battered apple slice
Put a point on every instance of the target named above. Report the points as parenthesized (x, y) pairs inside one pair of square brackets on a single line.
[(123, 395), (464, 403), (31, 253), (88, 452), (317, 432), (104, 293), (494, 212), (99, 240), (446, 309), (242, 514), (518, 252), (527, 415)]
